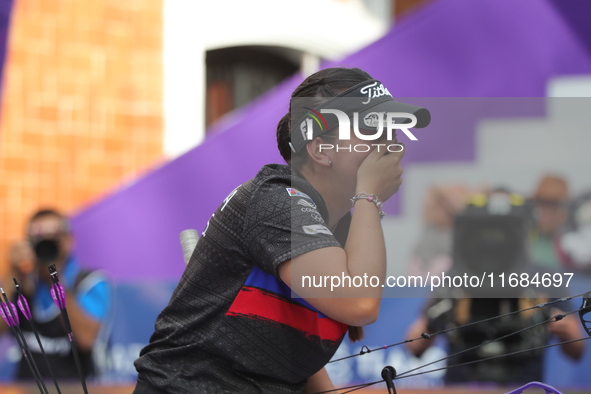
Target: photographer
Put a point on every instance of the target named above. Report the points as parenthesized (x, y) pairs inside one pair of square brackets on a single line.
[(490, 235), (576, 242), (550, 215), (88, 296)]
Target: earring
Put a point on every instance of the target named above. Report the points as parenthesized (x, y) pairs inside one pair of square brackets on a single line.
[(330, 163)]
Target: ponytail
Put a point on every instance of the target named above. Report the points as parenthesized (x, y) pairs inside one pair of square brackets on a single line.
[(356, 333)]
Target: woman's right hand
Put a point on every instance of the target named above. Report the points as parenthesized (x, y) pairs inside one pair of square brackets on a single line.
[(381, 173)]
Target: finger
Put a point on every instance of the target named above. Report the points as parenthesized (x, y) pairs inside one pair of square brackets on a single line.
[(374, 156), (394, 155), (400, 150), (378, 151)]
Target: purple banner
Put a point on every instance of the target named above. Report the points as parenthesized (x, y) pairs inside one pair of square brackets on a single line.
[(5, 12), (453, 48)]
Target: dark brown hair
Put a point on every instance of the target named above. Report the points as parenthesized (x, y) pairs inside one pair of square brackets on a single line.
[(329, 82), (50, 212)]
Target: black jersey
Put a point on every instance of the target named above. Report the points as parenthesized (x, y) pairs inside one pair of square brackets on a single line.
[(231, 324)]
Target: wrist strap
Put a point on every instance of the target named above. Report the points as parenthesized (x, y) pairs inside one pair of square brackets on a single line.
[(371, 198)]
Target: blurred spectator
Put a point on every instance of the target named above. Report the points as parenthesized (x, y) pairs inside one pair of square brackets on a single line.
[(22, 264), (493, 236), (21, 257), (550, 215), (88, 295), (433, 251), (576, 242)]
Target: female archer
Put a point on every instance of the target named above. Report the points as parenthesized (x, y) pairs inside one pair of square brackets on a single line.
[(233, 324)]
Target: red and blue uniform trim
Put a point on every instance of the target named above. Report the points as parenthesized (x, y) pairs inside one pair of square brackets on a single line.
[(264, 297)]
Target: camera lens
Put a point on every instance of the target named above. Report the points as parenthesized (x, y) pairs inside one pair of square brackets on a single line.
[(46, 250)]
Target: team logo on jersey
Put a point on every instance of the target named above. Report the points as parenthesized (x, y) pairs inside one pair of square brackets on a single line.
[(306, 203), (316, 229), (296, 193), (317, 217)]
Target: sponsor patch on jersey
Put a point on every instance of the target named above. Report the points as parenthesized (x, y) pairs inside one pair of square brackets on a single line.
[(316, 229), (309, 210), (296, 193)]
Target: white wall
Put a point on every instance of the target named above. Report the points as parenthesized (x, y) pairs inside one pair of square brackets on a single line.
[(327, 29)]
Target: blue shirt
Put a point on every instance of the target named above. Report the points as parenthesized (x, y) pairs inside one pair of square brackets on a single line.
[(93, 293)]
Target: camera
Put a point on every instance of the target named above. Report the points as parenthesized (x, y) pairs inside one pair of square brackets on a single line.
[(46, 250), (490, 238)]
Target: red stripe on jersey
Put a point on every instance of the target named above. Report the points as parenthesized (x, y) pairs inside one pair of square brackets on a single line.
[(259, 304)]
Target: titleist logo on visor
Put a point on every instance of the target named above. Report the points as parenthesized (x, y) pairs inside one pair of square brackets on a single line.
[(366, 110), (374, 91)]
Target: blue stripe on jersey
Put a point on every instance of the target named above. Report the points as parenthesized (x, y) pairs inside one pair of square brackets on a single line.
[(262, 280)]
